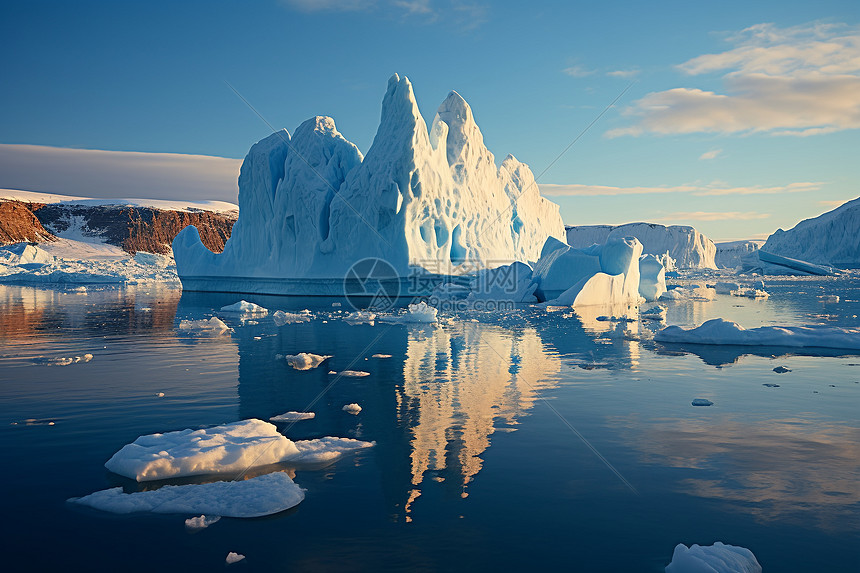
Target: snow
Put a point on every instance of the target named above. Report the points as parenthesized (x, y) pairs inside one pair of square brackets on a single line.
[(423, 197), (716, 558), (245, 308), (352, 408), (201, 522), (731, 253), (167, 205), (685, 246), (234, 557), (264, 495), (702, 402), (303, 360), (212, 325), (233, 447), (292, 417), (600, 275), (720, 331), (652, 277), (829, 239), (281, 318)]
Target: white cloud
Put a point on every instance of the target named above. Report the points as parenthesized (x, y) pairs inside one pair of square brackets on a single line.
[(693, 189), (118, 174), (713, 216), (329, 5), (798, 81), (712, 154), (577, 71), (623, 73)]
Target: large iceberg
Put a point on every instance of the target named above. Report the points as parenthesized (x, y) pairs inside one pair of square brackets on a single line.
[(831, 239), (233, 447), (731, 253), (687, 247), (723, 332), (310, 206)]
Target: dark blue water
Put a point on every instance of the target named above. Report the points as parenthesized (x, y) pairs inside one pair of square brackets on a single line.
[(480, 462)]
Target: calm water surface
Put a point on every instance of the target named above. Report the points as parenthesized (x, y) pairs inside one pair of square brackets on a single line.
[(479, 463)]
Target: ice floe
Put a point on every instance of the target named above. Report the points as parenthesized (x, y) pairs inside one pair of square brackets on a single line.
[(228, 448), (234, 557), (281, 318), (351, 373), (702, 402), (352, 408), (303, 360), (381, 356), (292, 417), (255, 497), (201, 522), (361, 317), (245, 308), (720, 331), (63, 360), (716, 558), (212, 326)]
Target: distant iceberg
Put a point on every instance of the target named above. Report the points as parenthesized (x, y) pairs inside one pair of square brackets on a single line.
[(723, 332), (427, 198)]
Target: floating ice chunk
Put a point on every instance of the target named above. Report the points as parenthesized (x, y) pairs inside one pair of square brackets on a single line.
[(419, 313), (829, 298), (245, 308), (213, 325), (781, 370), (281, 318), (359, 317), (292, 417), (716, 558), (233, 557), (702, 402), (381, 356), (303, 360), (751, 293), (652, 277), (351, 373), (159, 395), (719, 331), (63, 360), (255, 497), (201, 522), (726, 287), (229, 448), (352, 408), (654, 313)]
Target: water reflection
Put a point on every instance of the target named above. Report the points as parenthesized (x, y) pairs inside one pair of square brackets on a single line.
[(790, 470)]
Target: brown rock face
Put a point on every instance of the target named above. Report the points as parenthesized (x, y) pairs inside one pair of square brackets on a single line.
[(18, 224)]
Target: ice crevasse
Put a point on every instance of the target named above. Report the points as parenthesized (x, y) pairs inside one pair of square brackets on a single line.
[(427, 197)]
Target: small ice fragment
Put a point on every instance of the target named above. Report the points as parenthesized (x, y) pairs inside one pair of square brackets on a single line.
[(716, 558), (781, 370), (381, 356), (353, 408), (353, 373), (214, 326), (292, 417), (246, 308), (768, 385), (303, 360), (251, 323), (335, 304), (281, 318), (159, 395), (234, 557), (829, 298), (702, 402), (359, 317), (201, 522)]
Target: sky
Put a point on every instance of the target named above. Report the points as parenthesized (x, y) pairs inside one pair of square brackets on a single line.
[(735, 117)]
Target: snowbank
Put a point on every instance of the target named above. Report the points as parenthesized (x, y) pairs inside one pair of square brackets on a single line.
[(229, 448), (720, 331), (255, 497), (716, 558)]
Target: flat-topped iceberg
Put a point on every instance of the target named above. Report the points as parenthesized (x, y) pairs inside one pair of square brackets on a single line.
[(720, 331), (255, 497), (716, 558), (228, 448), (424, 197)]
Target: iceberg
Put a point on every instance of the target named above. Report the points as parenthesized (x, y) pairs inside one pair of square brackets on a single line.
[(233, 557), (352, 408), (245, 308), (201, 522), (281, 318), (505, 283), (303, 360), (675, 245), (233, 447), (720, 331), (652, 277), (716, 558), (213, 325), (730, 254), (424, 197), (255, 497), (292, 417)]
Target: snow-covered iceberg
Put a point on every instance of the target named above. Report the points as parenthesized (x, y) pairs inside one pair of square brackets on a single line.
[(723, 332), (255, 497), (716, 558), (232, 447), (310, 206), (687, 247)]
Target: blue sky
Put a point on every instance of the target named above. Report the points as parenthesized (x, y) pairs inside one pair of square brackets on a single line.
[(743, 117)]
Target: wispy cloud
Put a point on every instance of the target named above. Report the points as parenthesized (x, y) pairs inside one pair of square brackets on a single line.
[(574, 189), (713, 216), (460, 14), (799, 81), (577, 71), (329, 5), (623, 74), (712, 154)]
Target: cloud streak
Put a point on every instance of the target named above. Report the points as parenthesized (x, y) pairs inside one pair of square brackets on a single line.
[(713, 216), (117, 174), (799, 81), (579, 190)]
